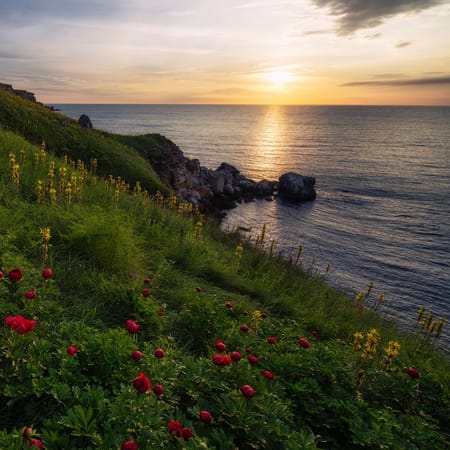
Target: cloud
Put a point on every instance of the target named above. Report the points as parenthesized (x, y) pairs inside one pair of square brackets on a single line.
[(402, 82), (353, 15), (402, 44)]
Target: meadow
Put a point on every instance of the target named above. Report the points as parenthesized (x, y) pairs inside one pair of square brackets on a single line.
[(130, 321)]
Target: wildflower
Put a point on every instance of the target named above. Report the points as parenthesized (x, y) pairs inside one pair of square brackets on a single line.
[(30, 294), (147, 281), (136, 355), (45, 235), (239, 250), (205, 416), (413, 372), (142, 383), (36, 443), (47, 274), (20, 324), (221, 360), (145, 292), (15, 275), (158, 389), (391, 352), (72, 350), (229, 305), (175, 427), (27, 432), (272, 340), (159, 353), (1, 275), (235, 356), (131, 326), (198, 289), (303, 342), (247, 391), (244, 328), (256, 317), (268, 375), (220, 346), (370, 346), (252, 359), (160, 313), (357, 339), (187, 433), (129, 445), (421, 313)]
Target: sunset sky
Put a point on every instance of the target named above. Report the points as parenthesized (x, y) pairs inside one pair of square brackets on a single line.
[(228, 51)]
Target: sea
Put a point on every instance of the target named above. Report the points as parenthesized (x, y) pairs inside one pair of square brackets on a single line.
[(382, 212)]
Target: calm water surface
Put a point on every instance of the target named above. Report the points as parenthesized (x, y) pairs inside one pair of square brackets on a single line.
[(382, 214)]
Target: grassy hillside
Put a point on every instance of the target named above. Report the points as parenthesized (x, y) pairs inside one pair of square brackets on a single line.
[(153, 329), (63, 136)]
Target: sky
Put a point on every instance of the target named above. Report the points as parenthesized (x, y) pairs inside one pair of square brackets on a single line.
[(388, 52)]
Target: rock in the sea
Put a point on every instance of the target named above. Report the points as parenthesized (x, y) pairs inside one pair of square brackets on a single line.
[(295, 187), (84, 121)]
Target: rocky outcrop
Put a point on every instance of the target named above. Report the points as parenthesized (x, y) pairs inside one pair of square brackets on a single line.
[(295, 187), (84, 121), (19, 92)]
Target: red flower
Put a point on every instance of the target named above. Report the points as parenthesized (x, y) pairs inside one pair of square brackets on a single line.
[(159, 353), (245, 328), (136, 355), (272, 340), (235, 356), (27, 432), (160, 313), (15, 275), (142, 383), (205, 416), (47, 274), (268, 375), (131, 326), (253, 359), (158, 389), (413, 372), (72, 350), (303, 342), (263, 315), (147, 281), (220, 346), (247, 391), (175, 427), (145, 292), (229, 304), (1, 275), (20, 324), (36, 443), (129, 445), (221, 360), (198, 289), (187, 433), (30, 294)]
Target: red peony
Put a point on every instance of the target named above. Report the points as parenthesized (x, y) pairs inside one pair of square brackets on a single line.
[(247, 391), (27, 432), (198, 289), (20, 324), (158, 389), (268, 375), (159, 353), (235, 356), (15, 275), (229, 304), (303, 342), (413, 372), (129, 445), (47, 274), (142, 383), (220, 346), (1, 275), (253, 359), (272, 340), (187, 433), (36, 443), (147, 281), (72, 350), (136, 355), (30, 294), (175, 427), (245, 328), (205, 416), (131, 326), (221, 360), (145, 292)]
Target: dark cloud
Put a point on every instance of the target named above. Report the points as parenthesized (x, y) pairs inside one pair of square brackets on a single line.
[(402, 82), (402, 44), (356, 14)]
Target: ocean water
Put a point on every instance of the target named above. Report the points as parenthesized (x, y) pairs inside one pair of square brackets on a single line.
[(382, 213)]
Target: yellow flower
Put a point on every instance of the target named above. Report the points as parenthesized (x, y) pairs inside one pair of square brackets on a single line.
[(357, 338), (239, 250), (370, 346)]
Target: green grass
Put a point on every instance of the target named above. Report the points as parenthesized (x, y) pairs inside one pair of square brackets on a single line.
[(104, 243)]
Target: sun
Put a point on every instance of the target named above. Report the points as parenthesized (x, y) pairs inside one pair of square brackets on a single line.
[(278, 77)]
